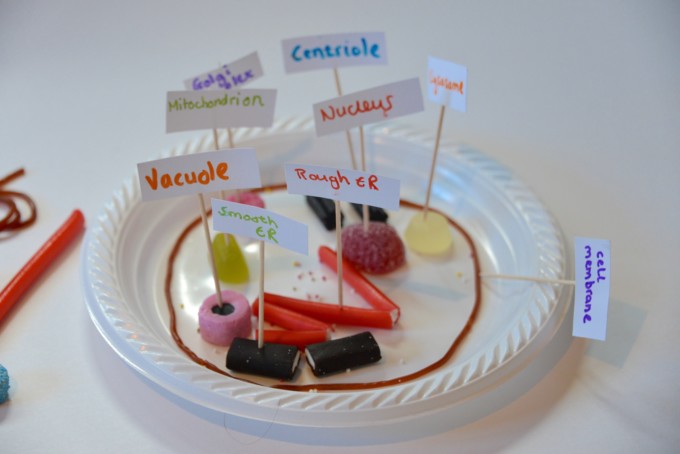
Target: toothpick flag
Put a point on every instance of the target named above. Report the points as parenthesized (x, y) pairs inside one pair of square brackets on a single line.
[(190, 110), (332, 51), (343, 184), (592, 273), (259, 224), (447, 83), (197, 173), (229, 76), (368, 106)]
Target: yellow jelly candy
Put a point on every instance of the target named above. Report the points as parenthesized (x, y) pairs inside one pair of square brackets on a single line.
[(229, 260), (428, 234)]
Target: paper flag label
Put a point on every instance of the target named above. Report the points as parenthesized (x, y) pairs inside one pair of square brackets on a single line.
[(591, 297), (447, 83), (368, 106), (342, 184), (201, 172), (259, 224), (210, 109), (227, 77), (333, 51)]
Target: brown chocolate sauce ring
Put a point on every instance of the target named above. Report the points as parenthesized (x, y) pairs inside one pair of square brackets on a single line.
[(13, 219), (457, 342), (13, 215)]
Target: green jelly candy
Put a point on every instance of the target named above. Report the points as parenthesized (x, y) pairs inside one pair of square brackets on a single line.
[(428, 235), (229, 260)]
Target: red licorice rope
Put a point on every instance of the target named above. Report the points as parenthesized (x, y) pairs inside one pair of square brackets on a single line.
[(13, 219)]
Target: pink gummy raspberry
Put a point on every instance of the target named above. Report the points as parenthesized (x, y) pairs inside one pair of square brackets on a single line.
[(377, 250), (247, 198)]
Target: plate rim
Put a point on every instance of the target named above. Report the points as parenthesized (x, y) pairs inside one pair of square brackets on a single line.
[(105, 305)]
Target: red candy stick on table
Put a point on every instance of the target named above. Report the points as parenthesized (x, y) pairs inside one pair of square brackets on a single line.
[(40, 261)]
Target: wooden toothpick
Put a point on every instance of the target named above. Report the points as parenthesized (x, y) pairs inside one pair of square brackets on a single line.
[(426, 207), (364, 207), (206, 230), (260, 310), (541, 280), (347, 134), (338, 240)]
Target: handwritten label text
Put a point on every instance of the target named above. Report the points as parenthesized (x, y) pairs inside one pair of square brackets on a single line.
[(226, 77), (591, 296), (343, 184), (332, 51), (368, 106), (201, 172), (191, 110), (259, 224), (447, 83)]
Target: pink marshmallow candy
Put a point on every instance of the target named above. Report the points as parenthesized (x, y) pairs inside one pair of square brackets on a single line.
[(247, 198), (221, 329)]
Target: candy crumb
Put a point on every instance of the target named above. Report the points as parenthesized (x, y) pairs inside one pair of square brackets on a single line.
[(297, 264)]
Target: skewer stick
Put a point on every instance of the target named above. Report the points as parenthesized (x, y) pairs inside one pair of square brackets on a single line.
[(216, 140), (541, 280), (260, 316), (338, 236), (230, 138), (426, 207), (216, 145), (347, 134), (206, 230), (364, 207)]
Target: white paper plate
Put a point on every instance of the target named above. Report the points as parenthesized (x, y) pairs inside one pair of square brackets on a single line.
[(124, 265)]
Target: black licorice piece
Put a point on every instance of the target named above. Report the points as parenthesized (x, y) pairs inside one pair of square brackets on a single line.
[(272, 360), (374, 213), (324, 209), (342, 354)]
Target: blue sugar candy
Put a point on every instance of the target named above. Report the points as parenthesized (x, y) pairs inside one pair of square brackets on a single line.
[(4, 384)]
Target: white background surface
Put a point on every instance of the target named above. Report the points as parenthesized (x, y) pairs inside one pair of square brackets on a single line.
[(579, 98)]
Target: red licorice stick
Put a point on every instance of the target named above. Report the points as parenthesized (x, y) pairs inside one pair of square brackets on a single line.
[(334, 313), (369, 292), (300, 339), (290, 320), (40, 261)]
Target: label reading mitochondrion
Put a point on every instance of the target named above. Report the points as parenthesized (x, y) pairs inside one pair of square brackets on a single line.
[(332, 51), (212, 109)]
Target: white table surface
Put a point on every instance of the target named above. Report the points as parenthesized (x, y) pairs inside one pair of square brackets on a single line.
[(580, 99)]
